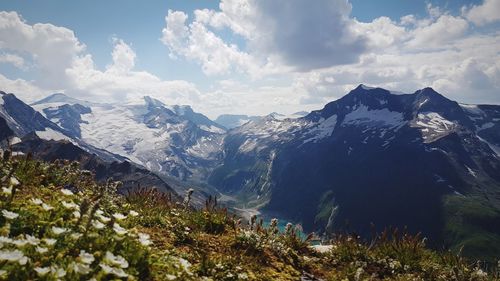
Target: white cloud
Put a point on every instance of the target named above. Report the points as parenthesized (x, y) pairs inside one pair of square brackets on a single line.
[(13, 59), (196, 42), (52, 48), (297, 34), (487, 12), (23, 89)]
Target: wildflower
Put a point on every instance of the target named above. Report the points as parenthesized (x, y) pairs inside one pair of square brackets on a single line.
[(85, 257), (98, 224), (14, 181), (111, 270), (42, 271), (119, 216), (9, 215), (76, 236), (104, 219), (13, 256), (70, 205), (32, 240), (20, 242), (57, 271), (76, 214), (133, 213), (47, 207), (5, 240), (170, 277), (67, 192), (144, 239), (41, 250), (184, 263), (80, 268), (36, 201), (58, 230), (7, 190), (50, 241), (242, 276), (118, 229), (116, 260), (479, 273)]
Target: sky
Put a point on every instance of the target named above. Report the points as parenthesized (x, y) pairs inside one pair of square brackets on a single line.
[(248, 56)]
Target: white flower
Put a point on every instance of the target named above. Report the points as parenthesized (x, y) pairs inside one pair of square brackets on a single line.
[(80, 268), (23, 260), (76, 214), (67, 192), (98, 224), (70, 205), (36, 201), (49, 241), (32, 240), (133, 213), (242, 276), (116, 260), (15, 255), (144, 239), (170, 277), (14, 181), (86, 258), (76, 236), (42, 271), (47, 207), (57, 271), (118, 229), (41, 250), (119, 216), (99, 212), (58, 230), (20, 242), (5, 240), (7, 191), (9, 215), (184, 263), (111, 270), (103, 218)]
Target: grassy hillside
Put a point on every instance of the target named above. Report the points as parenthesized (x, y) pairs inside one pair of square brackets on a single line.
[(57, 223)]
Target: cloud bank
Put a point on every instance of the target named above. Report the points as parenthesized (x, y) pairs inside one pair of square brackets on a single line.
[(263, 56)]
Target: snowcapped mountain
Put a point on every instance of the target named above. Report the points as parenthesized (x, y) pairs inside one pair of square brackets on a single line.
[(173, 140), (371, 156), (231, 121), (27, 131)]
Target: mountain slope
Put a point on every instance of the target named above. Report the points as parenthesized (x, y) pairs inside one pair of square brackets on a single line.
[(132, 176), (173, 140), (27, 131), (374, 157)]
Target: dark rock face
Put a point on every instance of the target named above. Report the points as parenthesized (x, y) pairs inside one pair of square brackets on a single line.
[(69, 116)]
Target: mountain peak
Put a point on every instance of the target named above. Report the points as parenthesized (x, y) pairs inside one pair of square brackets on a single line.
[(60, 98), (152, 102)]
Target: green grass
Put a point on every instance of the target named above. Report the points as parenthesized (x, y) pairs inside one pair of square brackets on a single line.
[(56, 223)]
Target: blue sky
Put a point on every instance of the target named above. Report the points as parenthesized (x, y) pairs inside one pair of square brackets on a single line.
[(296, 79)]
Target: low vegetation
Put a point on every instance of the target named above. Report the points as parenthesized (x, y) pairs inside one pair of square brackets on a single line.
[(57, 223)]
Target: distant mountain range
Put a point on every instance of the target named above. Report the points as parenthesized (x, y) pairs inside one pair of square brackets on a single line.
[(373, 156)]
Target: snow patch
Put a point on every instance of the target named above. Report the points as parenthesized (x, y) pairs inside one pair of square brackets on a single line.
[(471, 172), (50, 134), (323, 130), (382, 117)]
